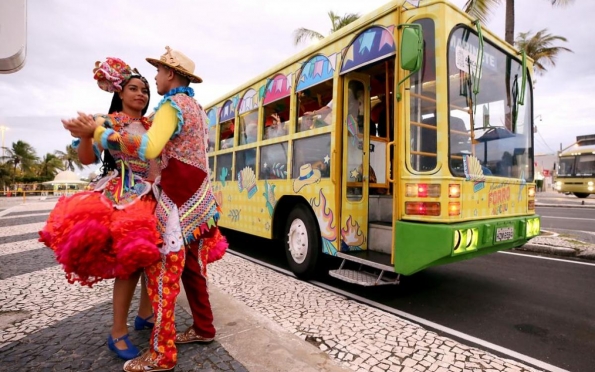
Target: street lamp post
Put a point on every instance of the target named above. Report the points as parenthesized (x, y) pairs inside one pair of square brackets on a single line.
[(3, 129)]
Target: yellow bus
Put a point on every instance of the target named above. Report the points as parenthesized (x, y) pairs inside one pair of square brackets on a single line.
[(401, 142), (576, 168)]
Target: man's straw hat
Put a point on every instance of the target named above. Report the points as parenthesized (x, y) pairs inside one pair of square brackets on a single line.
[(178, 62)]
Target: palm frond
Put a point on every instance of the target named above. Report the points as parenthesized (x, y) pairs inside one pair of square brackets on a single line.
[(302, 34), (481, 9)]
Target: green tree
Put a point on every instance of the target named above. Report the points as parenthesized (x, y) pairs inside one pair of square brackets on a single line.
[(540, 47), (49, 166), (22, 156), (482, 10), (70, 158), (302, 34)]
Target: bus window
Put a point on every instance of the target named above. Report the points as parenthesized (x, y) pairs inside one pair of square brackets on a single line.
[(276, 119), (273, 162), (212, 138), (212, 120), (423, 118), (246, 159), (226, 134), (314, 151), (224, 172), (315, 107), (248, 127)]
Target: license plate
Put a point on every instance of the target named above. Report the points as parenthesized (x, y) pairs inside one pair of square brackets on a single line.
[(504, 233)]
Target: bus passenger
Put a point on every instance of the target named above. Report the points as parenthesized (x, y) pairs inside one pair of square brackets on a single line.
[(274, 127)]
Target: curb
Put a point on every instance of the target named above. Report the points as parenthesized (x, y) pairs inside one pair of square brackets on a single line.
[(540, 248), (557, 251), (586, 206)]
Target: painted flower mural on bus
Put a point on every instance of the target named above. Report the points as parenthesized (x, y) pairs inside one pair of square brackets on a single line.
[(352, 236), (325, 218)]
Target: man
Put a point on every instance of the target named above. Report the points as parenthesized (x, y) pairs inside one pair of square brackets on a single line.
[(187, 212)]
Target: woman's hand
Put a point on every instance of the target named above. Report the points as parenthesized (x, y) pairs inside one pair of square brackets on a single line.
[(82, 127)]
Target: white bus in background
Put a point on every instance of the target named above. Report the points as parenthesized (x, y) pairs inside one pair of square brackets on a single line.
[(13, 35)]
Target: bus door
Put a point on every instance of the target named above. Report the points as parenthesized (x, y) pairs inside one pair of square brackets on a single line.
[(356, 162)]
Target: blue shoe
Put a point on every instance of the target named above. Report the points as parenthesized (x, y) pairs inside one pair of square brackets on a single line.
[(130, 352), (143, 323)]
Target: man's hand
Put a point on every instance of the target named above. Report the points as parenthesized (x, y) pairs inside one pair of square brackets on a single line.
[(82, 127)]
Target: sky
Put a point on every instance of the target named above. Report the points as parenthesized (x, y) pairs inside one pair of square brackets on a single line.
[(231, 41)]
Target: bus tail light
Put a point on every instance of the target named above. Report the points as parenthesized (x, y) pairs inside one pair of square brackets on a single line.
[(454, 190), (422, 208), (531, 191), (422, 190), (454, 208), (531, 205)]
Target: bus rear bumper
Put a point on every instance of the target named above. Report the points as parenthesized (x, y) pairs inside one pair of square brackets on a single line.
[(419, 246)]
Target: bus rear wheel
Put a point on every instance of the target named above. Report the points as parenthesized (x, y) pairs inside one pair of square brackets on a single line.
[(581, 195), (302, 242)]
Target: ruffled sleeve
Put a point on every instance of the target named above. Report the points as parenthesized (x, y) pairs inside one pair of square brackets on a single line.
[(149, 145)]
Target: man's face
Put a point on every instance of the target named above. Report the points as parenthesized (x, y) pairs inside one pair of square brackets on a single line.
[(162, 79)]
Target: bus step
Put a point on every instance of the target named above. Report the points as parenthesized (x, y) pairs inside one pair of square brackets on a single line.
[(362, 278), (377, 260)]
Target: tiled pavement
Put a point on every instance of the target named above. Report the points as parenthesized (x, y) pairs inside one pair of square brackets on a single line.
[(47, 324), (64, 326)]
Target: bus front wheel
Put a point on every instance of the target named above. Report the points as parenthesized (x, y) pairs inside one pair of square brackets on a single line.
[(581, 195), (302, 242)]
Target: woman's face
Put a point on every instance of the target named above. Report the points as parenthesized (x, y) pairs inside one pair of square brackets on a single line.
[(135, 94)]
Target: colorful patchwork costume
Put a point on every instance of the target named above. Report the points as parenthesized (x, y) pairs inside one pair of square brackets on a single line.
[(187, 215), (109, 232)]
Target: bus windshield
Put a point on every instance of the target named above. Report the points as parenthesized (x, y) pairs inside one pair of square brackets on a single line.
[(502, 128), (585, 165), (566, 167)]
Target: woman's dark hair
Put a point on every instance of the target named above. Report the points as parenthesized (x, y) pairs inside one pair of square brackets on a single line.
[(109, 163)]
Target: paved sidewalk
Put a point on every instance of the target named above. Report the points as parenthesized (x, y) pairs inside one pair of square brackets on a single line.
[(47, 324), (266, 321)]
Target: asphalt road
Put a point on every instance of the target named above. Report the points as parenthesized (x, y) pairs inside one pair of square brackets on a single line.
[(537, 307)]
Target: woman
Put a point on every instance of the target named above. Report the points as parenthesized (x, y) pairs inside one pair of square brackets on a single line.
[(118, 213)]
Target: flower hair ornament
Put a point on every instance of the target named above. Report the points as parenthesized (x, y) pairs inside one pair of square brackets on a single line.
[(112, 73)]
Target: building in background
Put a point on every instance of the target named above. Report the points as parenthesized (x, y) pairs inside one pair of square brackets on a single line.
[(546, 165)]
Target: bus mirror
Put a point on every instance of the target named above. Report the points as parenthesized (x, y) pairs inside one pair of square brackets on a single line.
[(411, 47), (412, 42)]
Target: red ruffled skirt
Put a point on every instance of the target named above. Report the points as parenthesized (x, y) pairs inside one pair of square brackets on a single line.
[(93, 241)]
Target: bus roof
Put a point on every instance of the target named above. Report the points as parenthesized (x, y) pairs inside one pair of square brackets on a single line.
[(579, 150), (349, 29)]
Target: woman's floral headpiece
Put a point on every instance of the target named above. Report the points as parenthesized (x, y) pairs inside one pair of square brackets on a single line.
[(112, 73)]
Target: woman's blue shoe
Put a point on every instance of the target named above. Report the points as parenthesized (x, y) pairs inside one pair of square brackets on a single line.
[(143, 323), (130, 352)]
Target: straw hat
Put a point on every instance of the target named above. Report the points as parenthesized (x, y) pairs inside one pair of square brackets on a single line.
[(307, 176), (178, 62)]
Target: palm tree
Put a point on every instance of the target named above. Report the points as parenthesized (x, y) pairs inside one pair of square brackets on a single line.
[(482, 9), (540, 48), (21, 155), (338, 22), (49, 166), (70, 157)]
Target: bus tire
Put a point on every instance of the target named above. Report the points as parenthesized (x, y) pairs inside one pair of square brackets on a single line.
[(581, 195), (302, 241)]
